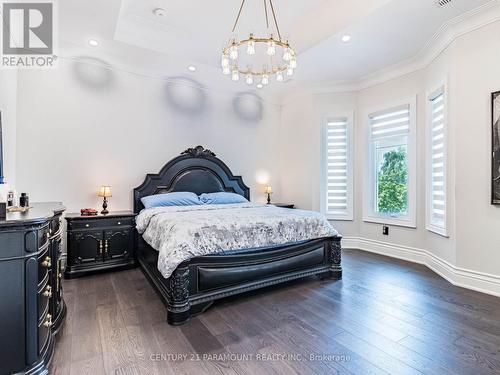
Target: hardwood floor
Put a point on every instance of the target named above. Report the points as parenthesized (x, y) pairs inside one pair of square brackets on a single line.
[(385, 316)]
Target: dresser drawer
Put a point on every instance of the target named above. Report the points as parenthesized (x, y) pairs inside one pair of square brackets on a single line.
[(43, 236), (44, 295), (44, 331), (55, 226), (44, 265), (102, 223)]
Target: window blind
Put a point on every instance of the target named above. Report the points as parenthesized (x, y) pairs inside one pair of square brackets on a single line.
[(337, 167), (394, 122), (438, 162)]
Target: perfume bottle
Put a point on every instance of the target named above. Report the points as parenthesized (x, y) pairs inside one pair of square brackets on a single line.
[(10, 199), (24, 200)]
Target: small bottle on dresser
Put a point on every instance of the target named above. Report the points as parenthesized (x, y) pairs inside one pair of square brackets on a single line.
[(10, 199), (24, 200)]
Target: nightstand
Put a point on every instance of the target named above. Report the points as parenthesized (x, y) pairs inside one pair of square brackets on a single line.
[(284, 205), (98, 243)]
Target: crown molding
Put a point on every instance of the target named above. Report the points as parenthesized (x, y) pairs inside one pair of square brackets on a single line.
[(445, 36)]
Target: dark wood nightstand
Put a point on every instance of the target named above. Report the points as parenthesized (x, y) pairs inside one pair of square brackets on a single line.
[(100, 242), (284, 205)]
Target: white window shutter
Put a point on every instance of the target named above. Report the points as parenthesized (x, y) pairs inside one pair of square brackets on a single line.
[(390, 123), (338, 169), (437, 165)]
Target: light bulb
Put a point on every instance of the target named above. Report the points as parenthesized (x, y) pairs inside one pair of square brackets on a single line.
[(249, 79), (271, 48), (233, 52), (226, 70), (346, 38), (225, 61), (279, 77), (293, 63), (287, 55), (289, 72), (265, 79), (251, 47), (235, 76)]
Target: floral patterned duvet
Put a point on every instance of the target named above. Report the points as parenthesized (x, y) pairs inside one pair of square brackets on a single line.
[(182, 232)]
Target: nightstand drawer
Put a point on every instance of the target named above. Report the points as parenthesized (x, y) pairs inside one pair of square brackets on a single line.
[(101, 223)]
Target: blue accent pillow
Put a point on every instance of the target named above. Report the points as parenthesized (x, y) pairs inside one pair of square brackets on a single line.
[(222, 198), (180, 198)]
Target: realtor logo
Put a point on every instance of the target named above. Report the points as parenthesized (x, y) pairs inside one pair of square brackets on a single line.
[(28, 34)]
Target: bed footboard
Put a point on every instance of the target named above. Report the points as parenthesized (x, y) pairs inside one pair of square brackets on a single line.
[(197, 283)]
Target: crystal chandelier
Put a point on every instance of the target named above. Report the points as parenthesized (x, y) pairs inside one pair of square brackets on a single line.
[(267, 57)]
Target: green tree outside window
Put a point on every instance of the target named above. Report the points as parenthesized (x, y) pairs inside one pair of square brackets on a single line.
[(393, 183)]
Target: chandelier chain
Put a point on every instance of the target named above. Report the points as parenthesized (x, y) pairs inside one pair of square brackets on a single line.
[(265, 11), (239, 14), (274, 16), (267, 17)]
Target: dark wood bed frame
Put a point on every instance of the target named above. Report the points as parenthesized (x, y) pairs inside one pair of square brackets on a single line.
[(198, 282)]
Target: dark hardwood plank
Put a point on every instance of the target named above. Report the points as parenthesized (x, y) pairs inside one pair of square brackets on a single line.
[(386, 316)]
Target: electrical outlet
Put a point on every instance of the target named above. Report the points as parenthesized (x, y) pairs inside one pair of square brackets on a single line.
[(385, 230)]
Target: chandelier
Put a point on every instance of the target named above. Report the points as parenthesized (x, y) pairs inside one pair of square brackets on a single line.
[(265, 57)]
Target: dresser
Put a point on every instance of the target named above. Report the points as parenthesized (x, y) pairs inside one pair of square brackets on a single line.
[(99, 243), (32, 307)]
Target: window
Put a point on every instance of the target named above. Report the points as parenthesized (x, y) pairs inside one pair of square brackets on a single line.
[(436, 163), (390, 191), (337, 171)]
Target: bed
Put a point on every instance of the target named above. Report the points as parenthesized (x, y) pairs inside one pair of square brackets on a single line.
[(193, 284)]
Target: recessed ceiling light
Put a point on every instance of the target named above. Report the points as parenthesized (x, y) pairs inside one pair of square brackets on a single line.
[(160, 12), (93, 42), (346, 38), (260, 85), (192, 68)]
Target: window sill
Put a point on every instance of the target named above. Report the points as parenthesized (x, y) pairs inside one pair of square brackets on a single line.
[(391, 221), (339, 218), (439, 231)]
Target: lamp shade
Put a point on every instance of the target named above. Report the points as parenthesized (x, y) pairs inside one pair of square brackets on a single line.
[(268, 190), (104, 191)]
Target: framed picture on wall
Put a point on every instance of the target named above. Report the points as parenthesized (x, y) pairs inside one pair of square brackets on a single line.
[(495, 141)]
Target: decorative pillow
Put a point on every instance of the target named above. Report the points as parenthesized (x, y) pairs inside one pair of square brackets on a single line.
[(222, 198), (180, 198)]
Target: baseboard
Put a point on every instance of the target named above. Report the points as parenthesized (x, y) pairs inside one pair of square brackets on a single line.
[(474, 280)]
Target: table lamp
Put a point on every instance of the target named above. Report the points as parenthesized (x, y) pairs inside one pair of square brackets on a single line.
[(105, 192), (268, 190)]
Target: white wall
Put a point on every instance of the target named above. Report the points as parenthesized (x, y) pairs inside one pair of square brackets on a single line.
[(477, 221), (8, 107), (470, 70), (80, 126)]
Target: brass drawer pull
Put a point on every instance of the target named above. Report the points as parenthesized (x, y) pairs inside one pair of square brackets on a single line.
[(119, 223), (48, 322), (100, 247), (48, 291), (46, 262), (87, 225), (106, 246)]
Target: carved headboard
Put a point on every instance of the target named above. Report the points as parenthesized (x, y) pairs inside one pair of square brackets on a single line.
[(197, 170)]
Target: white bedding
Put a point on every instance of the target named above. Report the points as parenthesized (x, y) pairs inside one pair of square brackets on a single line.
[(182, 232)]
